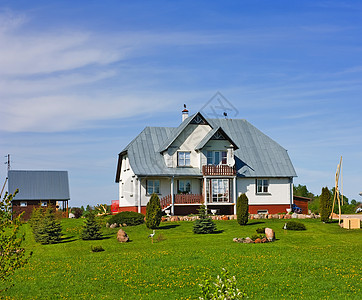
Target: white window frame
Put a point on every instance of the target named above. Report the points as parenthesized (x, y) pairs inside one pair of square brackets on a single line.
[(262, 186), (220, 190), (183, 158), (153, 186), (216, 157), (182, 186)]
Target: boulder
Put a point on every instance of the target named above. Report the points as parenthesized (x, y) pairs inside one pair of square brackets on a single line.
[(264, 240), (294, 216), (122, 236), (270, 234), (113, 225), (124, 225), (257, 241), (248, 240), (288, 216), (225, 218)]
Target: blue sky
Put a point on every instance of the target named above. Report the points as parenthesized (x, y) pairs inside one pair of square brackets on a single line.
[(80, 79)]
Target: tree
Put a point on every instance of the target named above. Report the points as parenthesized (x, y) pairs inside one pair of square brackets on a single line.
[(204, 224), (12, 255), (325, 204), (45, 227), (242, 209), (153, 212), (302, 191), (91, 229)]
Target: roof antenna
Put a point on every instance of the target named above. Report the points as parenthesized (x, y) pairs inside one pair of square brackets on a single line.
[(8, 162)]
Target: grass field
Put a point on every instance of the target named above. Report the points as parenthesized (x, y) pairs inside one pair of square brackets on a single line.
[(323, 262)]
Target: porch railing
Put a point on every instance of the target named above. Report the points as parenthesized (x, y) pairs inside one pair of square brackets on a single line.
[(182, 199), (219, 170)]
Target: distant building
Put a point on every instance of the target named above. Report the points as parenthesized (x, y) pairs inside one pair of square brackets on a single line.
[(204, 161), (38, 188)]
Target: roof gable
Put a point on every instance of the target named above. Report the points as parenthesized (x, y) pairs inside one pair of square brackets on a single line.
[(197, 119), (216, 134)]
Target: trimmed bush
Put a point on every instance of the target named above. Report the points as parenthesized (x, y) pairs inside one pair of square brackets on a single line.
[(242, 208), (293, 225), (97, 249), (153, 212), (130, 218), (257, 236), (325, 204), (204, 224), (91, 229)]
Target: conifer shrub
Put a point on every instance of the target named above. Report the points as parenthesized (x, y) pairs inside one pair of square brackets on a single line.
[(294, 225), (97, 249), (325, 204), (153, 212), (260, 230), (242, 209), (130, 218), (91, 229), (204, 224), (45, 227)]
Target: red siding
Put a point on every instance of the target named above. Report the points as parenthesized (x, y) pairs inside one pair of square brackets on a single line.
[(132, 208), (272, 208)]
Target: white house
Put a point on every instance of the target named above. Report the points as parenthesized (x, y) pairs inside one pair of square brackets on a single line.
[(205, 161)]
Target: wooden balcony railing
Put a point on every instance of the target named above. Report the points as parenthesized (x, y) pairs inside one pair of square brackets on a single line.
[(220, 170), (182, 199)]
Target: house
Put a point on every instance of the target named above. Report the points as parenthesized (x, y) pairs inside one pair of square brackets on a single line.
[(38, 188), (205, 161)]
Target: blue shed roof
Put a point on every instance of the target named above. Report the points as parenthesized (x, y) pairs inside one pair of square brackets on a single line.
[(39, 185)]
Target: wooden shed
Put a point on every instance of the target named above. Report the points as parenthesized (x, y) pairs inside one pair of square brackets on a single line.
[(302, 202)]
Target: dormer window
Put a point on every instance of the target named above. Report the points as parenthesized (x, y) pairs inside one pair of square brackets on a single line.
[(183, 159), (216, 157)]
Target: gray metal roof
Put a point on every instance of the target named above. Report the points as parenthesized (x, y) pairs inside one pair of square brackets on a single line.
[(39, 185), (257, 154)]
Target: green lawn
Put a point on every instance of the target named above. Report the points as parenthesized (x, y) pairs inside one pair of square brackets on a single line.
[(320, 263)]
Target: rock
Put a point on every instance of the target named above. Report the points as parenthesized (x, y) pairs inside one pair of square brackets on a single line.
[(71, 216), (288, 216), (257, 241), (248, 240), (225, 218), (301, 216), (256, 216), (124, 225), (107, 225), (264, 240), (275, 216), (294, 216), (270, 217), (122, 236), (251, 217), (113, 225), (270, 234)]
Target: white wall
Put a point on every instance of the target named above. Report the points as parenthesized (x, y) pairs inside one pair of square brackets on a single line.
[(128, 185), (279, 191)]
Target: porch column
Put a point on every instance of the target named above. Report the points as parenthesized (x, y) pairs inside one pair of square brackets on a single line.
[(234, 194), (139, 194), (172, 198), (205, 191)]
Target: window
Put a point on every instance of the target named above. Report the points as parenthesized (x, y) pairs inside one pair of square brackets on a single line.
[(23, 204), (44, 204), (216, 157), (184, 186), (153, 186), (262, 186), (183, 159), (219, 190)]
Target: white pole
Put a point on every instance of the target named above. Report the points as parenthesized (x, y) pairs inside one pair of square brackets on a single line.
[(172, 197), (139, 194), (234, 194)]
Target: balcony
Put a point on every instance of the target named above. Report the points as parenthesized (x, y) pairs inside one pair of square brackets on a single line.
[(219, 170)]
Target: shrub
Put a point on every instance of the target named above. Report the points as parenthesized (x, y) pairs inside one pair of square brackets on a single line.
[(257, 236), (294, 225), (325, 204), (45, 227), (91, 229), (153, 212), (130, 218), (97, 249), (223, 288), (77, 212), (242, 208), (204, 224), (260, 230)]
